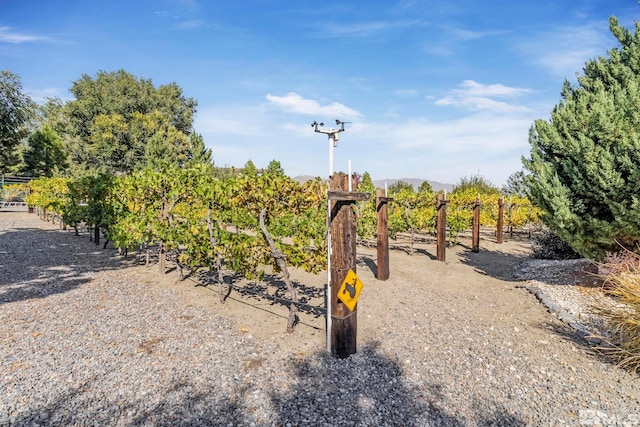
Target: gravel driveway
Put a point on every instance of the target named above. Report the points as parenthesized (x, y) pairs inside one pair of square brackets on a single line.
[(87, 339)]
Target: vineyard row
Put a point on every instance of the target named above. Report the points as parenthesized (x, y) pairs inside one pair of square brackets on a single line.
[(241, 223)]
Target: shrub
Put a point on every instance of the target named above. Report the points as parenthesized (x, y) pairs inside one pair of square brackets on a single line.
[(549, 245), (15, 192), (623, 283)]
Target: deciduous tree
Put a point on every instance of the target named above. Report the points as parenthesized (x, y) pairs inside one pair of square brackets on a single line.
[(17, 111), (118, 123)]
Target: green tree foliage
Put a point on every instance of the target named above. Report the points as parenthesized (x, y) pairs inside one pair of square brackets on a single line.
[(475, 183), (425, 187), (249, 169), (17, 112), (275, 168), (365, 210), (399, 186), (366, 183), (44, 154), (118, 123), (516, 185), (584, 160), (197, 152)]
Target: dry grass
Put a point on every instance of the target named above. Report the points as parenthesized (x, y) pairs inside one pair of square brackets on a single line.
[(622, 282)]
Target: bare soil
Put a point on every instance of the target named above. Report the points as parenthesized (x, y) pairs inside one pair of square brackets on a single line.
[(477, 286)]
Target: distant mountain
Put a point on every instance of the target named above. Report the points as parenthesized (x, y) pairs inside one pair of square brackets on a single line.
[(415, 182), (379, 183), (303, 178)]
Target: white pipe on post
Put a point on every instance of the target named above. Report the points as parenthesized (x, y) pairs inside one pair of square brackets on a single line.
[(329, 293), (331, 145)]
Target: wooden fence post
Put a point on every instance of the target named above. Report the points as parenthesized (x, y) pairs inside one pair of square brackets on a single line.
[(383, 236), (500, 220), (441, 228), (509, 215), (344, 322), (475, 229)]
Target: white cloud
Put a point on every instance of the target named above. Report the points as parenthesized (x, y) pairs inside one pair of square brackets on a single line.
[(475, 103), (465, 34), (294, 103), (452, 37), (364, 29), (8, 36), (389, 147), (563, 51), (191, 24), (443, 150), (40, 96), (231, 120), (405, 92), (191, 4), (475, 96), (473, 88)]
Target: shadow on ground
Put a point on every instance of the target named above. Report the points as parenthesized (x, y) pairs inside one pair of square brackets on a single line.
[(57, 261), (497, 264), (366, 389), (272, 289)]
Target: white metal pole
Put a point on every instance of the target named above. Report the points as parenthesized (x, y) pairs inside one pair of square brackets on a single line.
[(349, 175), (329, 293), (331, 141)]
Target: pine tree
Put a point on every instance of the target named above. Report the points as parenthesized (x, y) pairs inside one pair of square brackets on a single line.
[(44, 154), (584, 160), (275, 168)]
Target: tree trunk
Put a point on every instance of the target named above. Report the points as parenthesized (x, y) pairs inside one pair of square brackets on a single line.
[(218, 261), (282, 265), (441, 228), (500, 221), (162, 257)]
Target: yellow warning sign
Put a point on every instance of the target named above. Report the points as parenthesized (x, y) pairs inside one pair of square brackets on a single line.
[(350, 290)]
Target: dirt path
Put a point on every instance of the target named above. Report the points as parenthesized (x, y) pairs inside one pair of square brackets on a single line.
[(456, 342)]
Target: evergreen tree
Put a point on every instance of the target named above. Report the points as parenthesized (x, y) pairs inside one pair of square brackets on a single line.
[(250, 169), (399, 186), (425, 187), (44, 154), (477, 183), (584, 160), (197, 152), (275, 168), (516, 185), (367, 183)]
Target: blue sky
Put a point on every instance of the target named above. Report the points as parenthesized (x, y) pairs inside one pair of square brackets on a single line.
[(434, 89)]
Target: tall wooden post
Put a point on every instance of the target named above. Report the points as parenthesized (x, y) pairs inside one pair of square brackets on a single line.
[(500, 220), (475, 228), (441, 228), (509, 217), (383, 236), (344, 322)]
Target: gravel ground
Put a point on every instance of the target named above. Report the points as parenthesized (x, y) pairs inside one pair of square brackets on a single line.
[(87, 339), (570, 289)]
